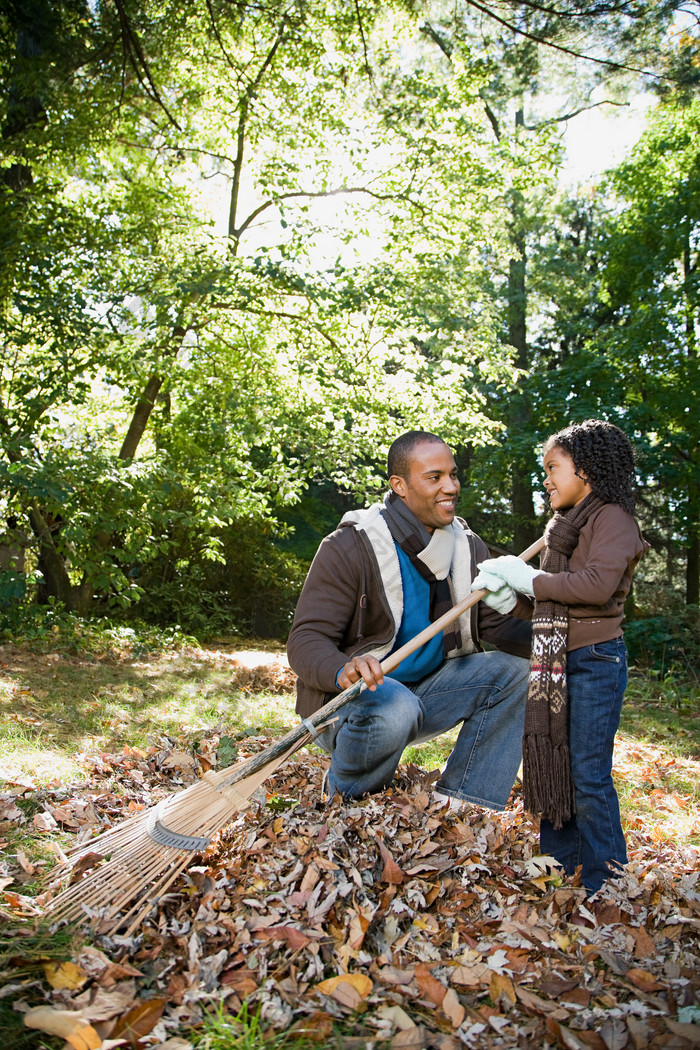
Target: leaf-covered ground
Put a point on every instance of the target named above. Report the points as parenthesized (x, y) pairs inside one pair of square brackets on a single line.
[(392, 921)]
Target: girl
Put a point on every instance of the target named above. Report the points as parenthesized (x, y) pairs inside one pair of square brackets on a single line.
[(578, 669)]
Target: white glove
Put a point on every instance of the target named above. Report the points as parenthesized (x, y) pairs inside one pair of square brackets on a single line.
[(513, 571), (500, 596)]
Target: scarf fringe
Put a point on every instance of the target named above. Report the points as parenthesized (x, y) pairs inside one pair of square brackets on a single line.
[(548, 789)]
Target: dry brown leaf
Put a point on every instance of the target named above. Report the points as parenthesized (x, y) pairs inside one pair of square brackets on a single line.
[(429, 987), (410, 1039), (25, 863), (99, 1004), (242, 981), (64, 816), (180, 760), (468, 976), (359, 924), (689, 1032), (139, 1021), (614, 1034), (640, 1032), (290, 934), (44, 822), (172, 1044), (396, 1016), (66, 1024), (391, 872), (533, 1002), (452, 1008), (311, 877), (564, 1036), (317, 1027), (643, 980), (644, 945)]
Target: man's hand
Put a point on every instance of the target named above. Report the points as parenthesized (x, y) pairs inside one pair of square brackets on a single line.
[(367, 667)]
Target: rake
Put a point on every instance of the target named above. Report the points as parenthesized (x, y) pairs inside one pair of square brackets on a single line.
[(134, 864)]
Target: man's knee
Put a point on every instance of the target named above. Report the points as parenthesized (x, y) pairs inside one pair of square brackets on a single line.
[(392, 706)]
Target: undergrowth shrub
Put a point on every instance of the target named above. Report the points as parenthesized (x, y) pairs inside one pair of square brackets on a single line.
[(668, 641)]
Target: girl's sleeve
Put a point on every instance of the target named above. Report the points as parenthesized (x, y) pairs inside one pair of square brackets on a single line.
[(614, 543)]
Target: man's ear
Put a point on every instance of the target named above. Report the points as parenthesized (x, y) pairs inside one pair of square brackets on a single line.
[(398, 485)]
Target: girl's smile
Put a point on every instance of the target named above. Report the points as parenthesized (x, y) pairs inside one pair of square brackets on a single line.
[(563, 484)]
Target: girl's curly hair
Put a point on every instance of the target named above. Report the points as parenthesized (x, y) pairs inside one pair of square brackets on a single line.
[(604, 454)]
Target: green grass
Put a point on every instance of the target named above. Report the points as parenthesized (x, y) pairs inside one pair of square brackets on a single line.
[(50, 712), (664, 711), (23, 952), (247, 1031)]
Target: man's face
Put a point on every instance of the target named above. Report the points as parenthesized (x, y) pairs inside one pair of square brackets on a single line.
[(431, 489)]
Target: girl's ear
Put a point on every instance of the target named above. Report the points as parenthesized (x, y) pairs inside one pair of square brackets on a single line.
[(584, 480)]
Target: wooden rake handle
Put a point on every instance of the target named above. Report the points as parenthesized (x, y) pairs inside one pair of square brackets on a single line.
[(281, 747)]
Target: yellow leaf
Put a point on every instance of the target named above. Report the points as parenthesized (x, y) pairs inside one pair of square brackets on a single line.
[(65, 975), (562, 939), (69, 1025), (502, 986), (359, 981)]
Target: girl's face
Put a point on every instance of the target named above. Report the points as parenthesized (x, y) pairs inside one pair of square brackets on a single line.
[(564, 486)]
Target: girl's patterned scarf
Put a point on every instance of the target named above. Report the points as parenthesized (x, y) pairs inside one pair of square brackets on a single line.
[(547, 785)]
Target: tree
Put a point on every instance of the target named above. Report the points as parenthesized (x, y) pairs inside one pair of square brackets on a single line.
[(652, 293), (161, 382), (544, 64)]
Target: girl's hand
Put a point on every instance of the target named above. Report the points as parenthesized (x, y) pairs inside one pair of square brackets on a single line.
[(500, 596), (511, 570)]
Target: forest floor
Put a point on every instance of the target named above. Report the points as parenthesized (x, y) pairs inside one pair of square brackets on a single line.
[(386, 923)]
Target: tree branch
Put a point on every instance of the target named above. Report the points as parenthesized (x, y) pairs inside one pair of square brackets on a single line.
[(215, 28), (325, 193), (572, 114), (134, 51), (560, 47), (292, 317), (243, 107), (368, 70), (444, 45)]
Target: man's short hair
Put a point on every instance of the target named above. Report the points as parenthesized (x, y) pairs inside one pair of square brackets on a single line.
[(398, 460)]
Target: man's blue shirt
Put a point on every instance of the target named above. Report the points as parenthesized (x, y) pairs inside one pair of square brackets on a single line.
[(416, 609)]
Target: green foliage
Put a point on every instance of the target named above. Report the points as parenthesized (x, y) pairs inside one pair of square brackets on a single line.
[(667, 643), (52, 628), (243, 249), (250, 589)]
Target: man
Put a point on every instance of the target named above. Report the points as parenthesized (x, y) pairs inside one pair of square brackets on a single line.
[(375, 582)]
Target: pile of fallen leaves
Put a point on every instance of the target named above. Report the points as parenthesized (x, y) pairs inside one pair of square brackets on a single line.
[(407, 924)]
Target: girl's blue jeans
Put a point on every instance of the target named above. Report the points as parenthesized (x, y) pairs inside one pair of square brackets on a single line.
[(596, 679), (484, 692)]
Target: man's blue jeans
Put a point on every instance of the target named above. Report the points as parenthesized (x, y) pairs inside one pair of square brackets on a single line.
[(593, 838), (484, 691)]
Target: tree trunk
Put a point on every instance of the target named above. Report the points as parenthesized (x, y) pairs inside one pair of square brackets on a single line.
[(51, 563), (692, 565), (139, 420), (692, 569)]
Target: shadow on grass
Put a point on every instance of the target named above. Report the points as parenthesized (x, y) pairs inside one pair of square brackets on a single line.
[(68, 702)]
